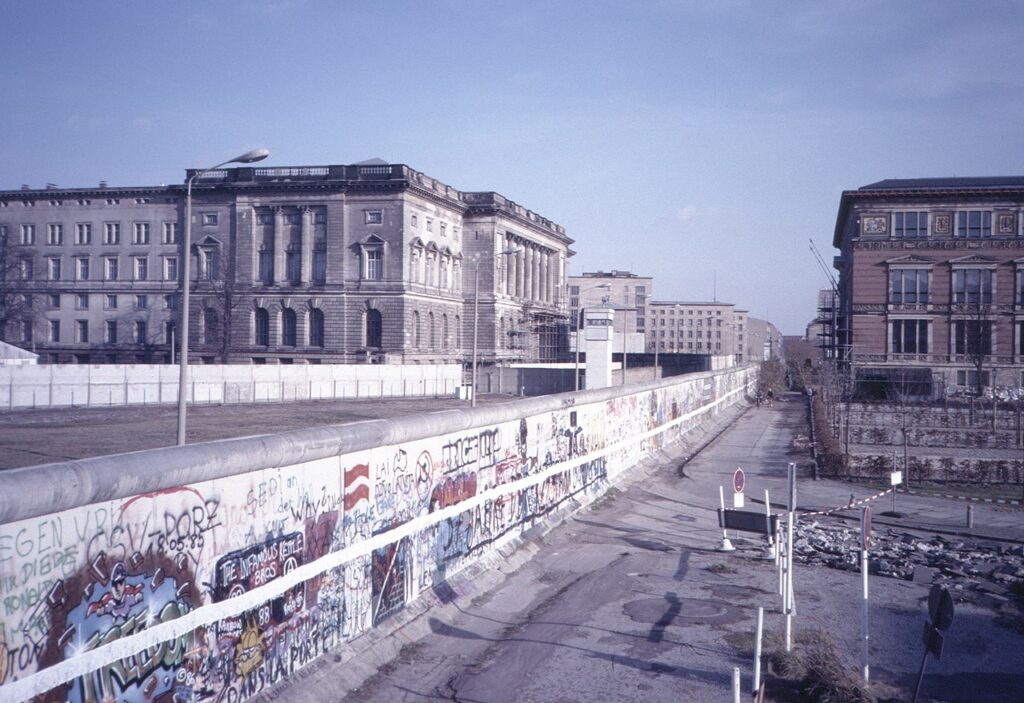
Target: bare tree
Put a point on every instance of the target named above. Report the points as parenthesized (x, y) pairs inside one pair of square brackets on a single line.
[(974, 341), (220, 299), (18, 305)]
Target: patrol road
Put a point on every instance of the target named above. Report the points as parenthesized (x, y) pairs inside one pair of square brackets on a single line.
[(628, 600)]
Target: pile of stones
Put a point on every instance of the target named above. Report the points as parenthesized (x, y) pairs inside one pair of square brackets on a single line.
[(977, 570)]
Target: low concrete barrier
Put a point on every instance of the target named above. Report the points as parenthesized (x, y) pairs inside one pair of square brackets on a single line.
[(66, 385), (214, 570)]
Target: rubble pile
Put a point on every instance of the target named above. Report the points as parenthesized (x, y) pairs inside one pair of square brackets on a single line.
[(978, 570)]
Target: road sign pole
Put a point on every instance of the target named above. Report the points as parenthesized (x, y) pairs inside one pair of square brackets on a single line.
[(920, 675)]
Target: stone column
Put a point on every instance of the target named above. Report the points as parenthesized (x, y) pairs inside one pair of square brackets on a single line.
[(534, 273), (306, 247), (279, 246), (509, 264), (545, 275), (521, 270)]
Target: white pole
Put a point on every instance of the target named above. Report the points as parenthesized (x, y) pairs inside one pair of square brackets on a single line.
[(726, 544), (768, 517), (757, 649), (864, 571), (789, 582), (735, 684), (864, 527)]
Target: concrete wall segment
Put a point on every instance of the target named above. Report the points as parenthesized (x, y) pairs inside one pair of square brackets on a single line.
[(406, 502)]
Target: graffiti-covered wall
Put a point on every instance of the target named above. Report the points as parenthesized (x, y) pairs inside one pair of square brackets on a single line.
[(210, 572)]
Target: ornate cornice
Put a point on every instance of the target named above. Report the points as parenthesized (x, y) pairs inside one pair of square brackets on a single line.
[(937, 244)]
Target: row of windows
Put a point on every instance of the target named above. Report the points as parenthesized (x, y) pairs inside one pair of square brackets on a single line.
[(690, 335), (82, 269), (83, 233), (700, 346), (690, 323), (86, 201), (111, 301), (111, 334), (918, 224), (294, 217), (967, 337), (912, 286), (700, 313), (414, 221)]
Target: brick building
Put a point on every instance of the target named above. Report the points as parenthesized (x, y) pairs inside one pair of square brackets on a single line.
[(371, 262), (931, 284)]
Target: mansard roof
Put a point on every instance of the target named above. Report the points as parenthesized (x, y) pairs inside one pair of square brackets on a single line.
[(946, 183)]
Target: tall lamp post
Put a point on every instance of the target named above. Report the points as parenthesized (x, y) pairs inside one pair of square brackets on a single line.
[(476, 312), (186, 274), (580, 315)]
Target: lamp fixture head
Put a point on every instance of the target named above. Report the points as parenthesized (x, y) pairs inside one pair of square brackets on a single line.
[(251, 156)]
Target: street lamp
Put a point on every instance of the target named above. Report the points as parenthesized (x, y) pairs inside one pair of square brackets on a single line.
[(476, 311), (580, 315), (246, 158)]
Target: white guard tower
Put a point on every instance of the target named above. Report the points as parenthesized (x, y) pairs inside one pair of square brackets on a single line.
[(599, 331)]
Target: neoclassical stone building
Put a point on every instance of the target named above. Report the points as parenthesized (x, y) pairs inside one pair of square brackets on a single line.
[(931, 284), (371, 262)]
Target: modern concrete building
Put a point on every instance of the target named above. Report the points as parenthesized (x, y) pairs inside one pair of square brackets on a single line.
[(628, 292), (931, 283), (371, 262), (713, 328), (763, 340)]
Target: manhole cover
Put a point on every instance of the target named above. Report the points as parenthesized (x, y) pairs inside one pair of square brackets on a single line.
[(682, 611)]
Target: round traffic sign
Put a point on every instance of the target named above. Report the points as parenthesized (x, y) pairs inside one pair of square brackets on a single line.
[(739, 480), (940, 607)]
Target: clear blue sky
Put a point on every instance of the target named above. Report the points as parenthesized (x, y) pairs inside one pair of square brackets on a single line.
[(673, 139)]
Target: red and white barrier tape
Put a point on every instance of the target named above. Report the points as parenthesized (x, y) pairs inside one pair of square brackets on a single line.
[(852, 504)]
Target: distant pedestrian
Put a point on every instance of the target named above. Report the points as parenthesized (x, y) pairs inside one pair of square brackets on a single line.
[(771, 397)]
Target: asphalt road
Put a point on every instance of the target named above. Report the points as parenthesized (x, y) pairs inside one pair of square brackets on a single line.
[(628, 600)]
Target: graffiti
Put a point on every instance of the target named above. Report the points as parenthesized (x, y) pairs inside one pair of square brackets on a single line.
[(357, 486), (477, 451), (388, 575), (452, 490), (74, 581), (249, 650), (118, 601)]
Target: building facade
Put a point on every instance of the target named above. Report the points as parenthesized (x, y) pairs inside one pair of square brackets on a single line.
[(931, 284), (372, 262), (628, 293), (717, 329)]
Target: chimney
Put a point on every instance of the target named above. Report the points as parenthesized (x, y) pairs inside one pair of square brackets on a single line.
[(103, 184)]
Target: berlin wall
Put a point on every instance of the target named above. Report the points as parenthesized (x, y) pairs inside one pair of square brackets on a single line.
[(106, 385), (211, 571)]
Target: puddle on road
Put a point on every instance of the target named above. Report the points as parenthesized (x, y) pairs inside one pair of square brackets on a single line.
[(682, 611)]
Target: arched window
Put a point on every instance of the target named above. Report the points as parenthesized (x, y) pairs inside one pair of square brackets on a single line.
[(288, 327), (416, 329), (262, 337), (373, 328), (211, 326), (316, 327), (444, 331), (458, 332), (431, 330)]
